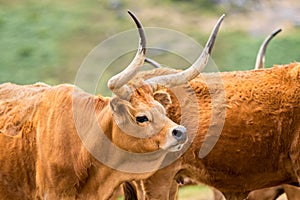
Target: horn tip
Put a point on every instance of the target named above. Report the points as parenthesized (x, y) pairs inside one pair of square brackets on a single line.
[(277, 31), (222, 17), (135, 19), (214, 33)]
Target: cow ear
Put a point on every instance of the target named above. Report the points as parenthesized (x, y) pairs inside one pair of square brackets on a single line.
[(118, 105), (121, 110), (163, 97)]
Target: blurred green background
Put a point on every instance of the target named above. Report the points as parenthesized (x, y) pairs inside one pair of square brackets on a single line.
[(47, 41)]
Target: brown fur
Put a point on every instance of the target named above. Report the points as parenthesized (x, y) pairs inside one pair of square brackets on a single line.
[(41, 154), (259, 143)]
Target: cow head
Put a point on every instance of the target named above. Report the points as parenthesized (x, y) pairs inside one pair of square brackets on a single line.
[(136, 113)]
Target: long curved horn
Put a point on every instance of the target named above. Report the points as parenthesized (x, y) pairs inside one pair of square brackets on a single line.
[(117, 83), (260, 58), (180, 78)]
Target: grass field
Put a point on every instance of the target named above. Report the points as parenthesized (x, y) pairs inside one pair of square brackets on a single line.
[(195, 193), (48, 40)]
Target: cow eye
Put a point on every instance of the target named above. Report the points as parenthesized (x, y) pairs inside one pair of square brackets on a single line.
[(141, 119)]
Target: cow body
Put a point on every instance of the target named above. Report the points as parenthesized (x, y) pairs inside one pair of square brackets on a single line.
[(41, 153), (258, 146), (259, 143), (18, 142)]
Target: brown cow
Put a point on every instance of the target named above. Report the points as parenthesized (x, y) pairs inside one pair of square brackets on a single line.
[(258, 146), (266, 193), (269, 193), (62, 143)]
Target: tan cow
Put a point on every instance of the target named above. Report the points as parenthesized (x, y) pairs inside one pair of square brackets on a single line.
[(259, 143), (263, 152), (269, 193), (62, 143)]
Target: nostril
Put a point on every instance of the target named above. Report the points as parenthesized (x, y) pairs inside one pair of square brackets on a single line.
[(177, 133)]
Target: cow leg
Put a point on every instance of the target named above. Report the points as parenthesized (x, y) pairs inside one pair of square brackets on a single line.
[(139, 189), (292, 192), (173, 194), (161, 185), (271, 193), (217, 195), (133, 190), (156, 188), (235, 196), (151, 188)]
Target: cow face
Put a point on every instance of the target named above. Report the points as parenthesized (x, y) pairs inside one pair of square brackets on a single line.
[(144, 119)]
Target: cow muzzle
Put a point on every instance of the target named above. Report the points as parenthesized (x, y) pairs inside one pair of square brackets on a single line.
[(175, 139)]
